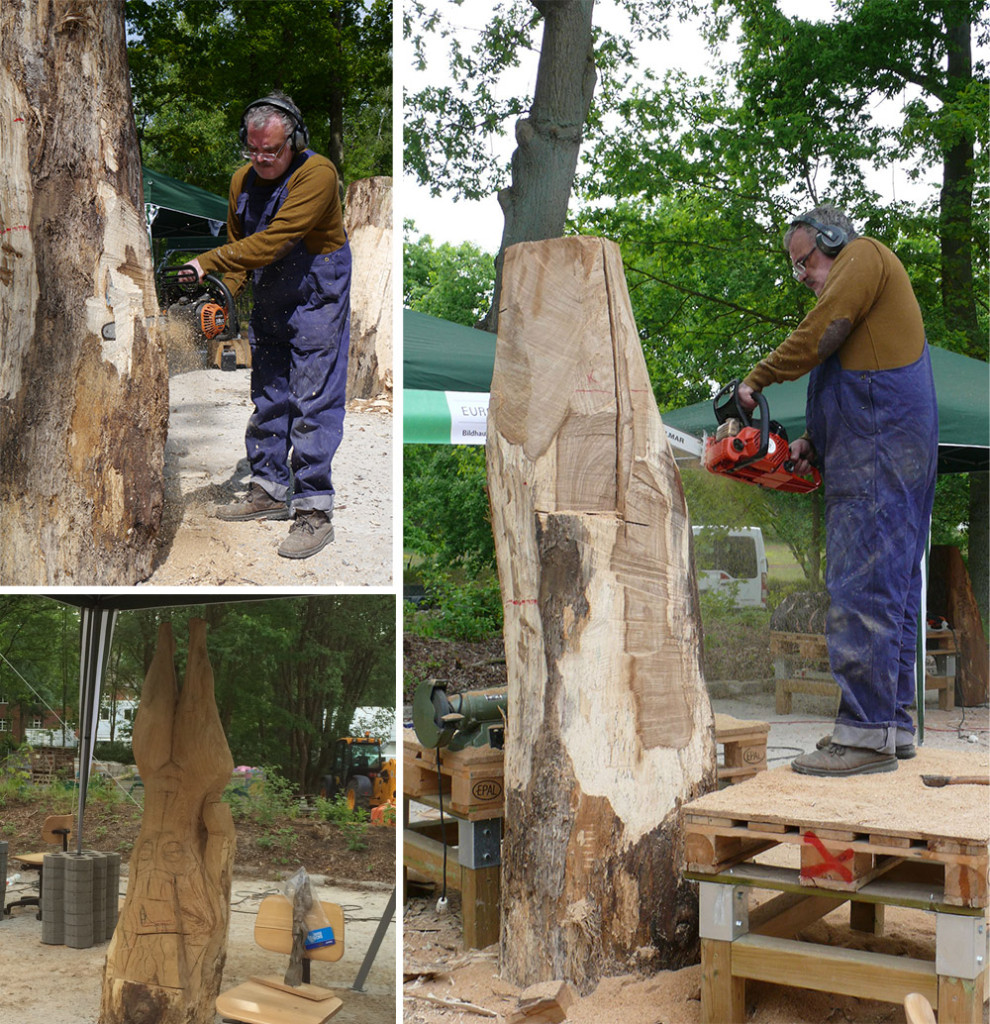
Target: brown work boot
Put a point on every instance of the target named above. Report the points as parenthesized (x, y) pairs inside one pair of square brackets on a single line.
[(837, 761), (257, 504), (903, 751), (311, 532)]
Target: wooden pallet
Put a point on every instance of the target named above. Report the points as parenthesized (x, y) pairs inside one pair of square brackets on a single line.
[(744, 748), (874, 841), (846, 832), (837, 859), (471, 781)]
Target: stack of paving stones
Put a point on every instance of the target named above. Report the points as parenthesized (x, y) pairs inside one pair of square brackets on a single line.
[(79, 899)]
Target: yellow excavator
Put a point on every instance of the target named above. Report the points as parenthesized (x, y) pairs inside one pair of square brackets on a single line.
[(361, 773)]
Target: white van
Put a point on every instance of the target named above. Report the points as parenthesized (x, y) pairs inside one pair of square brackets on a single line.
[(733, 562)]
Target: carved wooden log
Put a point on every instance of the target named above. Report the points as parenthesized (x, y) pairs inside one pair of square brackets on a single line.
[(950, 593), (368, 216), (165, 961), (610, 726), (83, 380)]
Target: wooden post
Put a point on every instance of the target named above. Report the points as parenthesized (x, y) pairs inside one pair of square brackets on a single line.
[(165, 961), (368, 219), (610, 728), (83, 379)]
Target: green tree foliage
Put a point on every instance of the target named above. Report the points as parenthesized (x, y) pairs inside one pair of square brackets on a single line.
[(447, 281), (39, 667), (288, 673), (195, 65)]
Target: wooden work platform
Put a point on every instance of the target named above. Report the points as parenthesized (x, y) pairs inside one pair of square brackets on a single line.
[(471, 781), (874, 840), (464, 850)]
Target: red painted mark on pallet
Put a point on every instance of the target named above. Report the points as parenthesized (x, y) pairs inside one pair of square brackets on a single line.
[(829, 862)]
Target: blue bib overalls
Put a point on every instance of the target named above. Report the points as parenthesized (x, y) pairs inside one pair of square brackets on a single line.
[(876, 435), (299, 333)]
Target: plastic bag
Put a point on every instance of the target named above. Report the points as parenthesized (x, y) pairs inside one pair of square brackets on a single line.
[(300, 893)]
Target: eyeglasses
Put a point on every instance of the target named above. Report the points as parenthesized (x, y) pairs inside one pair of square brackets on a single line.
[(798, 268), (265, 156)]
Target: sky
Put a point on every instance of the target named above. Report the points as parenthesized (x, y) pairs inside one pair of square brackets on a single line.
[(447, 219)]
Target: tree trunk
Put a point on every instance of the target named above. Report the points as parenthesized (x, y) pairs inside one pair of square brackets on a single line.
[(610, 727), (165, 961), (83, 381), (979, 540), (956, 206), (368, 214), (549, 139), (951, 594)]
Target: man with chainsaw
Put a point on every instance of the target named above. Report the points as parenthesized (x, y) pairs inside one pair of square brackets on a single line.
[(873, 431), (285, 226)]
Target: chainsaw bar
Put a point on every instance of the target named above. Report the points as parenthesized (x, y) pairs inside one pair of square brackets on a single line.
[(753, 453)]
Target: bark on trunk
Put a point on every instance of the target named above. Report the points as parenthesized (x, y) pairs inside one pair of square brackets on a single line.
[(165, 961), (610, 727), (549, 139), (83, 380), (369, 226)]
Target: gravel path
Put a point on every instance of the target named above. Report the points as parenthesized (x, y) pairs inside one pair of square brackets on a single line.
[(205, 465)]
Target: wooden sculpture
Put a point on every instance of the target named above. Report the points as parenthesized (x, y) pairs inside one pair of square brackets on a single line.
[(609, 725), (166, 958)]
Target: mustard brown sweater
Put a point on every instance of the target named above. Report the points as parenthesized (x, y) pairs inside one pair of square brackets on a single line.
[(867, 312), (310, 212)]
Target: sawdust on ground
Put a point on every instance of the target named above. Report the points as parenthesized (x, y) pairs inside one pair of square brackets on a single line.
[(206, 466)]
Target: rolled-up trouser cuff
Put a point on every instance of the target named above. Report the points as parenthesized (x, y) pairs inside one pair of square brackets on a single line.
[(277, 491), (882, 739), (307, 503)]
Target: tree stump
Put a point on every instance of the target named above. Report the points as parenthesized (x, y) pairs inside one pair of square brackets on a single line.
[(83, 380), (368, 219), (609, 724), (165, 961)]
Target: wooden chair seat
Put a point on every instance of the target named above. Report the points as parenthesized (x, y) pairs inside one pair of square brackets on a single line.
[(257, 1003), (269, 1000)]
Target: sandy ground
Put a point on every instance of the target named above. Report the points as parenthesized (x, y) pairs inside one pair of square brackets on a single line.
[(205, 465), (440, 975), (41, 984)]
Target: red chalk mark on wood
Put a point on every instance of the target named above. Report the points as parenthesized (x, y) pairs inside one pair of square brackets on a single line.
[(829, 861)]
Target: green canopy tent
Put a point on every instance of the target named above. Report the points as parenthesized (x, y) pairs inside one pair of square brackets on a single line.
[(183, 216), (447, 371), (961, 384)]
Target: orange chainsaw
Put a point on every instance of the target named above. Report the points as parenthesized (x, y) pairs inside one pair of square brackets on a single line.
[(756, 453)]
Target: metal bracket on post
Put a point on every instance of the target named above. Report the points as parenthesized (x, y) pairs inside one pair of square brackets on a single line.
[(723, 911), (960, 946), (479, 843)]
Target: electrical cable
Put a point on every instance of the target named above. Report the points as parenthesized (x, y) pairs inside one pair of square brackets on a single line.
[(442, 902)]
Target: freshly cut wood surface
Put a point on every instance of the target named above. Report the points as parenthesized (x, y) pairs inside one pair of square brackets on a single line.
[(609, 724), (893, 803), (368, 219)]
